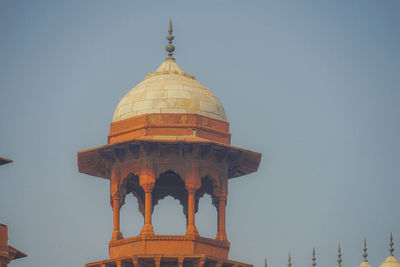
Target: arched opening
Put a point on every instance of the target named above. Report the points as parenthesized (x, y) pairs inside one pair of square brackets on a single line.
[(131, 221), (168, 218), (207, 215)]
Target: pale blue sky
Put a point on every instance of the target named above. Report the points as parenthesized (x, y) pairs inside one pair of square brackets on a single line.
[(312, 85)]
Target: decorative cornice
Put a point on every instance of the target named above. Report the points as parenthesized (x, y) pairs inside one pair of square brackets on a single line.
[(209, 241)]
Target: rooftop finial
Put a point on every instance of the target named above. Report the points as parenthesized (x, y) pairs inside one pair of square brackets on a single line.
[(265, 262), (365, 251), (391, 244), (289, 264), (170, 47), (313, 258), (339, 256)]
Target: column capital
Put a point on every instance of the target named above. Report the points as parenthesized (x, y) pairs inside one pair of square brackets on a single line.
[(192, 188), (201, 262), (157, 261), (135, 262), (148, 188), (116, 196), (180, 261), (221, 196)]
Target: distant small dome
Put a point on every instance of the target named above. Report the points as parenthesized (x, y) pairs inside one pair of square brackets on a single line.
[(364, 264), (169, 90), (390, 261)]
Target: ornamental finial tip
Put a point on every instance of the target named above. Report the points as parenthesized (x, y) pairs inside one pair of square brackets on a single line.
[(339, 256), (313, 264), (391, 244), (365, 251), (170, 48), (289, 261)]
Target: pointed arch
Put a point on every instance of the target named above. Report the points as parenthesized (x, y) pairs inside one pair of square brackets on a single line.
[(208, 186), (169, 183), (131, 185)]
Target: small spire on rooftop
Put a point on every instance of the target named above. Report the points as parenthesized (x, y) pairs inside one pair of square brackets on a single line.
[(289, 261), (313, 258), (170, 48), (339, 256), (391, 249), (365, 251)]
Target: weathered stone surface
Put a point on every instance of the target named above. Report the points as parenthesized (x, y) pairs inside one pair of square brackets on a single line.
[(169, 90)]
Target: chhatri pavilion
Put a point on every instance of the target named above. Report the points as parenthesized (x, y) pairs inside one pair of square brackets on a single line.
[(169, 137)]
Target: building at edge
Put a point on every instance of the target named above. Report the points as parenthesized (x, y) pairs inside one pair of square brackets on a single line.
[(7, 253), (169, 137)]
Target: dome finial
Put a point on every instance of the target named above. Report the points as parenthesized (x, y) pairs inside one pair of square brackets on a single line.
[(365, 251), (170, 47), (339, 256), (391, 244), (289, 261), (313, 264)]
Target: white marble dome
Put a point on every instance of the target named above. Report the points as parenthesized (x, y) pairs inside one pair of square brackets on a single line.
[(390, 261), (364, 264), (169, 90)]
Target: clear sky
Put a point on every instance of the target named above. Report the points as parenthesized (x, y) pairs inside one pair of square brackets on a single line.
[(312, 85)]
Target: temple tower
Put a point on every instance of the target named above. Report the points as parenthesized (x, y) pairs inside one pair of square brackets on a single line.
[(169, 136)]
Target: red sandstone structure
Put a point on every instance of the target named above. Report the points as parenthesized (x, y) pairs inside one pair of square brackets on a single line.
[(169, 136), (7, 252)]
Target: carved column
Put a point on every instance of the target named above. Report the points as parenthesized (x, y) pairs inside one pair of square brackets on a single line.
[(201, 262), (221, 234), (180, 261), (116, 205), (157, 261), (191, 227), (135, 262), (147, 227)]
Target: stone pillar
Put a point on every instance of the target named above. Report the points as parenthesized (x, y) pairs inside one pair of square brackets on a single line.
[(180, 261), (147, 227), (157, 261), (116, 205), (201, 262), (221, 234), (191, 227), (135, 262)]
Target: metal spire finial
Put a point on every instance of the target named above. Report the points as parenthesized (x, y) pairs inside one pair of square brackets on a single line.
[(339, 256), (289, 261), (391, 244), (313, 258), (265, 262), (365, 251), (170, 47)]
